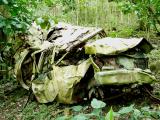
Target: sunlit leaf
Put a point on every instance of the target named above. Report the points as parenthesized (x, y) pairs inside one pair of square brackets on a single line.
[(2, 24), (96, 112), (62, 118), (5, 1), (39, 20), (80, 117), (136, 113), (125, 110), (109, 115), (97, 104), (45, 25), (77, 108)]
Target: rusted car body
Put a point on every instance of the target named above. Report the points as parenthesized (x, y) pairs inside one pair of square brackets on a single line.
[(68, 62)]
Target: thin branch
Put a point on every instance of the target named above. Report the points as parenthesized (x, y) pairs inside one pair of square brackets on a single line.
[(61, 58)]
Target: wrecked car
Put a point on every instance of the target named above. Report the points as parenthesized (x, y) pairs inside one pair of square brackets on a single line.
[(69, 63)]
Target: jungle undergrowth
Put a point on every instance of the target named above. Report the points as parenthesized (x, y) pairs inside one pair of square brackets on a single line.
[(13, 108)]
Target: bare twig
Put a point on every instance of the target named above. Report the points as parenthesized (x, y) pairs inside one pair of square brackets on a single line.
[(116, 96), (61, 58), (57, 112), (154, 97), (29, 97)]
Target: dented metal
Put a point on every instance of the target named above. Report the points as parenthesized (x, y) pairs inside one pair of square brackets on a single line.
[(65, 63)]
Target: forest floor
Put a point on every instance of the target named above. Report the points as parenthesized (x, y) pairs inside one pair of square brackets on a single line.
[(13, 98)]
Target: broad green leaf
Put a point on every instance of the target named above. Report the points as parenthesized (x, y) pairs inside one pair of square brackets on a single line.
[(77, 108), (39, 20), (110, 115), (136, 113), (55, 20), (62, 118), (5, 1), (97, 104), (19, 26), (96, 112), (2, 23), (8, 31), (125, 110), (16, 24), (80, 117), (145, 109), (45, 24)]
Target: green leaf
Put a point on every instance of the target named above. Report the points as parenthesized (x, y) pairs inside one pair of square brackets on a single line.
[(109, 115), (145, 109), (45, 24), (96, 112), (125, 110), (136, 113), (77, 108), (80, 117), (16, 24), (19, 26), (62, 118), (55, 20), (8, 31), (2, 24), (39, 20), (5, 1), (97, 104)]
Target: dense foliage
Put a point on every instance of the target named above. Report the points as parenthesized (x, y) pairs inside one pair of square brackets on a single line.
[(147, 11), (15, 18)]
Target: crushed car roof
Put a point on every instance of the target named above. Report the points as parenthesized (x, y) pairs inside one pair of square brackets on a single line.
[(114, 46), (62, 35)]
